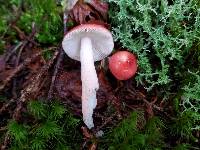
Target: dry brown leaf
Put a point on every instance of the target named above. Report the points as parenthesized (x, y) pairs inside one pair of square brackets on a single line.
[(101, 7), (68, 4), (93, 146), (91, 11), (86, 133), (82, 13)]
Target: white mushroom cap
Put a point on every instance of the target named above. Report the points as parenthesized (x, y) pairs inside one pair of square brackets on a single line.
[(102, 41)]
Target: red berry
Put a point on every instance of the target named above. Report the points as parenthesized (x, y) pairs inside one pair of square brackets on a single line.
[(123, 65)]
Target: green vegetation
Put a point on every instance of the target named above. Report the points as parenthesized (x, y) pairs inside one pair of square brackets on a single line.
[(44, 16), (127, 135), (134, 133), (162, 34), (165, 36), (51, 127), (191, 94)]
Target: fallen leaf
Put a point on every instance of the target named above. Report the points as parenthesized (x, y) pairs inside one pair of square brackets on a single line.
[(90, 11), (82, 13), (93, 146), (68, 4), (100, 6), (86, 133)]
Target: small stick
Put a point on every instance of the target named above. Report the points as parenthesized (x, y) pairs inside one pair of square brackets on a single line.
[(59, 60), (13, 51), (16, 64), (151, 104)]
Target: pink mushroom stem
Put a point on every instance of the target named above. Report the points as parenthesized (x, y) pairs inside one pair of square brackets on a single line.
[(89, 81)]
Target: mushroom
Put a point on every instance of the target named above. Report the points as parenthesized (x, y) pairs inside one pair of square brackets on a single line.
[(88, 43), (123, 65)]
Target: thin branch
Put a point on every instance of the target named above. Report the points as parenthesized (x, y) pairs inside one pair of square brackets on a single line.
[(59, 60)]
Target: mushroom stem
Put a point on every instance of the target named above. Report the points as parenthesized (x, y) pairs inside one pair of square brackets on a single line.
[(89, 81)]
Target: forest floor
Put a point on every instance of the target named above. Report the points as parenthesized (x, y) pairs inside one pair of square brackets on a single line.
[(40, 89)]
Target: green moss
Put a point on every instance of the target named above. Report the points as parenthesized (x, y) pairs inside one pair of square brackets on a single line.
[(127, 135), (17, 132), (182, 147), (46, 18), (43, 15), (52, 127), (183, 124)]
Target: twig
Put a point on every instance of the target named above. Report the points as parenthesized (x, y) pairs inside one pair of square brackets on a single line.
[(20, 52), (24, 37), (16, 64), (153, 105), (22, 44), (59, 60), (56, 68), (13, 51), (21, 33), (19, 68)]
